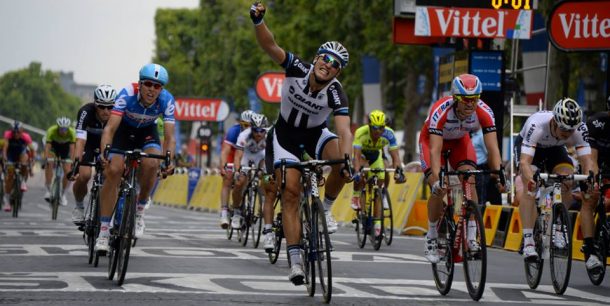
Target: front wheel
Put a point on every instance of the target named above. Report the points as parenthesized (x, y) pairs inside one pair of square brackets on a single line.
[(377, 239), (388, 219), (323, 248), (307, 234), (277, 245), (257, 218), (533, 267), (560, 249), (126, 234), (443, 270), (474, 251), (601, 245)]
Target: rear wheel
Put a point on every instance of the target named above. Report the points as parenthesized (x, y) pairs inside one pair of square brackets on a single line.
[(443, 270), (533, 268), (257, 218), (361, 222), (601, 241), (277, 245), (560, 253), (323, 248), (475, 259), (246, 212), (388, 219), (92, 226)]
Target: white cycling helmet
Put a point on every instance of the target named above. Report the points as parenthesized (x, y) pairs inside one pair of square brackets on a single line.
[(567, 114), (258, 121), (63, 122), (246, 115), (104, 95), (337, 50)]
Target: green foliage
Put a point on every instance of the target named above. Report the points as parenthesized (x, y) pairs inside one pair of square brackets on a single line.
[(35, 96)]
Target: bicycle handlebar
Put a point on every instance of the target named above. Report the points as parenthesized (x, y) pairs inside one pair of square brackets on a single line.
[(467, 173)]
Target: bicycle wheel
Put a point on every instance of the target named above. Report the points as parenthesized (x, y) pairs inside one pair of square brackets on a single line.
[(15, 199), (475, 259), (377, 239), (257, 218), (323, 248), (388, 220), (279, 234), (89, 231), (443, 270), (246, 212), (561, 254), (229, 227), (126, 233), (55, 198), (113, 242), (601, 245), (361, 222), (94, 226), (307, 234), (533, 268)]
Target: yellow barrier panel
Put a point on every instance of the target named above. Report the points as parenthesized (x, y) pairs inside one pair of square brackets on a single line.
[(515, 232), (577, 240), (172, 190), (403, 198), (159, 196), (342, 210), (490, 220), (417, 223), (198, 200), (212, 194)]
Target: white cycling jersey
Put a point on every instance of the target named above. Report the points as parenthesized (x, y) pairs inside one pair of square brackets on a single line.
[(253, 150), (536, 133)]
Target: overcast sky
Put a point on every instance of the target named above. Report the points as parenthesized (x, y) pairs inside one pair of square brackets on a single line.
[(101, 41)]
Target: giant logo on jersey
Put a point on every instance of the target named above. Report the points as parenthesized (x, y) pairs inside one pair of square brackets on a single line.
[(191, 109), (302, 99)]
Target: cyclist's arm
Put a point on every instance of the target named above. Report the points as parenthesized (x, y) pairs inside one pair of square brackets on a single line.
[(239, 153), (594, 155), (525, 167), (71, 151), (79, 148), (109, 130), (493, 152), (265, 39), (587, 163), (395, 158), (342, 124), (169, 143), (357, 158), (436, 145), (224, 153)]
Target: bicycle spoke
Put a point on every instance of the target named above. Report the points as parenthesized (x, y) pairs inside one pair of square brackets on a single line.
[(474, 251), (560, 249), (443, 270)]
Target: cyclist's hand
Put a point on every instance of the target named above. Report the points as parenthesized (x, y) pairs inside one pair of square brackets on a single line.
[(356, 177), (437, 190), (399, 176), (531, 187), (167, 170), (257, 12)]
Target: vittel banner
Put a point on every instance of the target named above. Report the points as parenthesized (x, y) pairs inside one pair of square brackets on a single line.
[(472, 22), (191, 109), (269, 86), (580, 25)]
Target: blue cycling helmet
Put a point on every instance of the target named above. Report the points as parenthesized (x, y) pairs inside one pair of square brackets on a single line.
[(154, 72)]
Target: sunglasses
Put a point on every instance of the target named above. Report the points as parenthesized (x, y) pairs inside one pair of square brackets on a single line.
[(152, 84), (333, 62), (258, 130), (63, 129), (109, 107), (565, 130), (468, 99), (377, 128)]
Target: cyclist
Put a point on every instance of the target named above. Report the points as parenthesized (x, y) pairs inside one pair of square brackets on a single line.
[(541, 144), (270, 189), (599, 139), (369, 141), (250, 149), (92, 118), (310, 94), (132, 126), (60, 139), (15, 150), (447, 128)]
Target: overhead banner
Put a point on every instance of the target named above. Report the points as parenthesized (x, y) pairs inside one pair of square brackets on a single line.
[(269, 86), (194, 109), (580, 25), (472, 22)]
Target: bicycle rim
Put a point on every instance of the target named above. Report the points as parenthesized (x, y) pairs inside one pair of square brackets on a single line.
[(596, 277), (246, 212), (443, 270), (112, 257), (90, 222), (533, 268), (388, 222), (229, 227), (257, 219), (376, 240), (323, 246), (361, 227), (279, 233), (126, 233), (561, 257), (56, 197), (306, 256), (96, 226), (475, 261)]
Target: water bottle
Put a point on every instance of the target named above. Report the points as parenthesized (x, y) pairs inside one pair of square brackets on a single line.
[(305, 156)]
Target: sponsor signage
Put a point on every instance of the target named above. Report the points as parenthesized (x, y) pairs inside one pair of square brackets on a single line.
[(193, 109), (496, 4), (488, 67), (472, 22), (580, 25), (269, 86)]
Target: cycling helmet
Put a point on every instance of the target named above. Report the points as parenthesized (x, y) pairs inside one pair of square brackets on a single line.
[(377, 118), (567, 114), (258, 121), (63, 122), (466, 85), (154, 72), (246, 115), (335, 49), (104, 95), (17, 126)]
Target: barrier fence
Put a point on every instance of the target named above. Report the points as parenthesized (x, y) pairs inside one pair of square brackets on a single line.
[(198, 189)]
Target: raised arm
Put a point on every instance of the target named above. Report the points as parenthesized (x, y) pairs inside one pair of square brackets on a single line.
[(264, 37)]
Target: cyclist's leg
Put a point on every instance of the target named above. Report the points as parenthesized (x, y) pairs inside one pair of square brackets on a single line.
[(378, 206), (48, 172), (80, 185), (237, 194), (108, 198), (358, 185), (335, 182), (269, 188)]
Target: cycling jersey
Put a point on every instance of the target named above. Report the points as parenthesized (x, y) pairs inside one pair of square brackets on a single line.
[(303, 113), (53, 135), (231, 140), (536, 133), (128, 106), (598, 126), (254, 151), (89, 128), (443, 120), (364, 142), (16, 147)]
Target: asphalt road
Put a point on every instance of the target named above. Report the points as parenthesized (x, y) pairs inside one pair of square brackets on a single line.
[(186, 259)]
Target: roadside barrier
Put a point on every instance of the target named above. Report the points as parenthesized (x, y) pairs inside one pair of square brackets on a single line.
[(515, 232), (502, 229), (491, 218)]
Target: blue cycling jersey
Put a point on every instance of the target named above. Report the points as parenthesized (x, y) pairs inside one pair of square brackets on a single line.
[(232, 134), (136, 115)]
